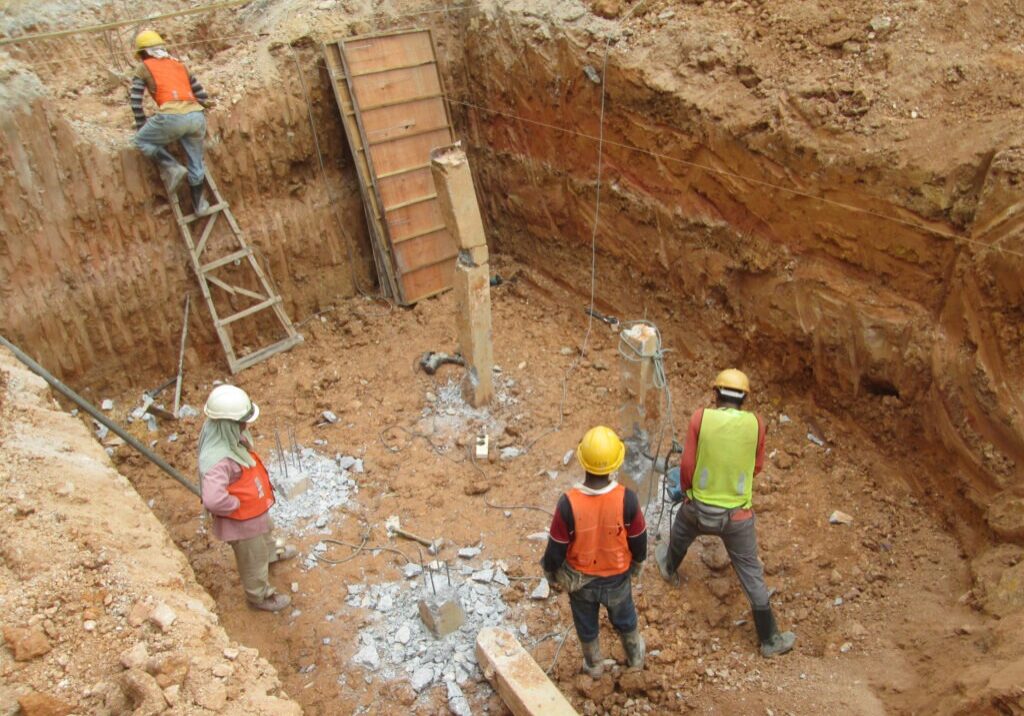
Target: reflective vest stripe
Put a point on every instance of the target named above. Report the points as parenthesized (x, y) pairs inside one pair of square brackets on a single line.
[(726, 454), (253, 490), (171, 80), (599, 545)]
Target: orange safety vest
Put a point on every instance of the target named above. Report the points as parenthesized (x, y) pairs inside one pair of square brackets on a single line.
[(599, 547), (171, 80), (253, 490)]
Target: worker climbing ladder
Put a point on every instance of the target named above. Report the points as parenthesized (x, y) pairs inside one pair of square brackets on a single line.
[(265, 298)]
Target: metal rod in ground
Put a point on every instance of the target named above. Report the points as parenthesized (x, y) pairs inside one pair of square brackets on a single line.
[(280, 451), (98, 416), (447, 573), (181, 356), (295, 447)]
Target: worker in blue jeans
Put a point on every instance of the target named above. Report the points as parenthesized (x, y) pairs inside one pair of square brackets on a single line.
[(596, 545), (180, 116)]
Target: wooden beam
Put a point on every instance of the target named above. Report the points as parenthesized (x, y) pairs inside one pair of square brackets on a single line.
[(521, 683)]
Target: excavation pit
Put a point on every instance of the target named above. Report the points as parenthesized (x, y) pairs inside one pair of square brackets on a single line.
[(800, 191)]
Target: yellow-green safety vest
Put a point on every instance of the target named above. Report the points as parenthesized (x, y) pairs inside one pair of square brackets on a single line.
[(726, 452)]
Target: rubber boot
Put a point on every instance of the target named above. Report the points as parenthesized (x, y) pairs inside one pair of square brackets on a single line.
[(200, 206), (773, 642), (635, 648), (593, 662), (274, 603), (661, 557), (171, 173)]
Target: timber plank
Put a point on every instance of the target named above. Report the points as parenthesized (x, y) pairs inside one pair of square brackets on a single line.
[(521, 683)]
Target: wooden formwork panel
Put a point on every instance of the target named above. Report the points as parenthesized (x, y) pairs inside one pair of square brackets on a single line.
[(398, 115)]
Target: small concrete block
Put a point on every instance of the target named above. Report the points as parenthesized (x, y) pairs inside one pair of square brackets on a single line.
[(296, 488), (441, 616), (469, 552), (421, 678), (543, 590)]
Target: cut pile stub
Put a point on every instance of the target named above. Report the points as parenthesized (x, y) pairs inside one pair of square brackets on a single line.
[(309, 485), (398, 644)]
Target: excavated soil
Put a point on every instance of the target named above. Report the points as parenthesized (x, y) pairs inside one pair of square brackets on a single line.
[(825, 194)]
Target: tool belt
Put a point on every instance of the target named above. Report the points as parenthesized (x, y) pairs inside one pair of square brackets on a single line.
[(572, 580), (713, 519)]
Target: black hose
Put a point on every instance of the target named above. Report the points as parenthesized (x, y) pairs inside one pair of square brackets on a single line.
[(98, 416)]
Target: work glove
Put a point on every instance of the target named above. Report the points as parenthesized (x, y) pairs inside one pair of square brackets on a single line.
[(552, 581), (636, 569)]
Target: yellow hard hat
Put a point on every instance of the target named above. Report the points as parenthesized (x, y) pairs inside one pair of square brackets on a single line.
[(147, 38), (600, 452), (732, 379)]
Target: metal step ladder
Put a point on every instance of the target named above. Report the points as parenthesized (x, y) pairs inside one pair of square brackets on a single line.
[(204, 267)]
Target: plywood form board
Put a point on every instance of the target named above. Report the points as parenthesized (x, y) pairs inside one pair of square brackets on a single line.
[(399, 110), (374, 216)]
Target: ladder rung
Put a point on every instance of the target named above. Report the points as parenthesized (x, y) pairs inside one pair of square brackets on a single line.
[(264, 353), (221, 206), (250, 310), (240, 254)]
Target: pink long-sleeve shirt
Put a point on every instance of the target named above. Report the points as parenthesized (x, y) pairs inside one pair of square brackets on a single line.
[(219, 503)]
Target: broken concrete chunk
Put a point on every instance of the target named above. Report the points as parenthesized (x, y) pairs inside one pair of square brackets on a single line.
[(543, 590), (329, 417), (511, 453), (231, 653), (840, 518), (107, 404), (483, 575), (136, 657), (469, 552), (412, 570), (421, 678), (538, 537), (404, 634), (162, 616), (501, 578), (187, 412), (567, 457), (457, 702), (368, 656), (815, 439), (441, 615)]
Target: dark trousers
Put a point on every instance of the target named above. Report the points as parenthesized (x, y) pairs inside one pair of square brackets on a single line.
[(617, 599), (740, 541)]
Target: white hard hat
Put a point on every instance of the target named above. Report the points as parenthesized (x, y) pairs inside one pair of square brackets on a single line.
[(228, 402)]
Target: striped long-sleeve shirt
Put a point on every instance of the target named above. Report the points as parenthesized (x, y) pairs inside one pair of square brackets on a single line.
[(143, 82)]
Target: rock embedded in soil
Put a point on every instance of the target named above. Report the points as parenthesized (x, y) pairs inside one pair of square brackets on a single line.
[(27, 643), (39, 704), (162, 616)]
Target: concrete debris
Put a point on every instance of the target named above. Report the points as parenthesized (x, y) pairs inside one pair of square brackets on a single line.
[(107, 404), (412, 570), (162, 616), (368, 656), (840, 518), (846, 646), (295, 587), (511, 453), (469, 552), (501, 578), (101, 430), (542, 591), (815, 439), (187, 412), (880, 24), (784, 419), (483, 575), (553, 474), (313, 491), (403, 635), (567, 457), (421, 678), (329, 417), (457, 702), (406, 647), (231, 653), (442, 613), (151, 424), (89, 625), (538, 537)]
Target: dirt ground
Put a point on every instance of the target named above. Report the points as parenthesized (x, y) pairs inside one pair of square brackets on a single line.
[(882, 607), (885, 332)]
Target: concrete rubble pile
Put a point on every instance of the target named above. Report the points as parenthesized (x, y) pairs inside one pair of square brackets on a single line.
[(310, 486)]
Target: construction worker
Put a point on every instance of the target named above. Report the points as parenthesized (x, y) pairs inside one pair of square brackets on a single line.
[(597, 542), (725, 450), (180, 101), (236, 490)]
